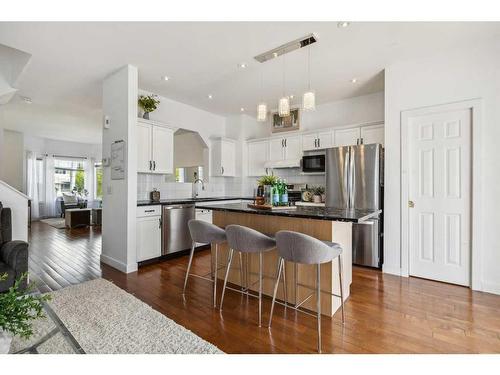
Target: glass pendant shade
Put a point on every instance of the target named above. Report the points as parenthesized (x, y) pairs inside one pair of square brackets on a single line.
[(262, 112), (284, 107), (309, 101)]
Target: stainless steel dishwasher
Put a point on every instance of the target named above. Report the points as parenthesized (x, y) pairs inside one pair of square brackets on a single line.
[(175, 231)]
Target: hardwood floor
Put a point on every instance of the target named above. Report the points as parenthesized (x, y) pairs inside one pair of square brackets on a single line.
[(384, 314)]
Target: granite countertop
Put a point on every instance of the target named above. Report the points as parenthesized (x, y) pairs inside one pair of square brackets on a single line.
[(187, 200), (318, 213)]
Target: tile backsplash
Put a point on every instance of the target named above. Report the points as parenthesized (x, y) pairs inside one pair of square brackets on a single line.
[(218, 186)]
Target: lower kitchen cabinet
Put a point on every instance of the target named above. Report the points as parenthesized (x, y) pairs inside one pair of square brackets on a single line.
[(148, 243)]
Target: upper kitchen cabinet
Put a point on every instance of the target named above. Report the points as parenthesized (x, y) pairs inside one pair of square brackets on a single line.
[(285, 148), (372, 134), (223, 157), (155, 148), (317, 141), (347, 137), (257, 156)]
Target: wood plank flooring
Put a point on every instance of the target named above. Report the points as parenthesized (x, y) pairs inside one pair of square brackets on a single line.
[(384, 314)]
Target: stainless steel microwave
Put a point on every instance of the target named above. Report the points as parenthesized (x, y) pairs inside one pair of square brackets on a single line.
[(313, 163)]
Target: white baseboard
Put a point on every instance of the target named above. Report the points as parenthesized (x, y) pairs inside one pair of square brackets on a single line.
[(391, 270), (120, 266), (491, 287)]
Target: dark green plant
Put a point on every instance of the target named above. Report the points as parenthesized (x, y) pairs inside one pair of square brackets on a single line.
[(18, 308), (148, 103), (267, 180), (318, 190)]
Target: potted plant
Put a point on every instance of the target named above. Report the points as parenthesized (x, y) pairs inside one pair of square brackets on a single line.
[(267, 182), (319, 193), (18, 308), (148, 103)]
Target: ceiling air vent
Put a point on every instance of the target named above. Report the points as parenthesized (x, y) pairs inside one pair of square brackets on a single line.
[(286, 48)]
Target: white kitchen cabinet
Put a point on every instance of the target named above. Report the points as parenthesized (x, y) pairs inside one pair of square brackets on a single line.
[(257, 157), (224, 157), (372, 134), (347, 137), (285, 148), (155, 148), (317, 141), (148, 238)]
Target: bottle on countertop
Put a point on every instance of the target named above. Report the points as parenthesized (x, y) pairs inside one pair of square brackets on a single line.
[(284, 194), (276, 194)]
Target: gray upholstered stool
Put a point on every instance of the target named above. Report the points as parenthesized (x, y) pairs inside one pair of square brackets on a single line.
[(248, 241), (300, 248), (204, 232)]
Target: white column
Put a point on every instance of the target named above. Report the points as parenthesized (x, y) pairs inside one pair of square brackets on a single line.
[(120, 196)]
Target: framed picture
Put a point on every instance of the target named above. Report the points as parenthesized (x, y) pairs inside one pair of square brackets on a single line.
[(286, 124)]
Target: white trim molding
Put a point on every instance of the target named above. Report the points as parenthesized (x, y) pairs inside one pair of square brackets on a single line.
[(476, 107)]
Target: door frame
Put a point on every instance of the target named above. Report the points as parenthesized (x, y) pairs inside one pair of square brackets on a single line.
[(475, 106)]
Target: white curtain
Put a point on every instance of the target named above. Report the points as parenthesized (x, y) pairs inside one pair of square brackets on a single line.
[(88, 166), (50, 189), (32, 182)]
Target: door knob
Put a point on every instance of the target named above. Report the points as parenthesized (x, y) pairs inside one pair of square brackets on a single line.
[(411, 204)]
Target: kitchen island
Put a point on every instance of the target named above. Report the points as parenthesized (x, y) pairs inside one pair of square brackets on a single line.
[(323, 223)]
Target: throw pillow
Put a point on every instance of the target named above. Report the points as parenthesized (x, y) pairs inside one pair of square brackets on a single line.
[(69, 198)]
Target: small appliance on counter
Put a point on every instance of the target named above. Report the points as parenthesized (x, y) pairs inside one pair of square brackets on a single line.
[(154, 196), (295, 192)]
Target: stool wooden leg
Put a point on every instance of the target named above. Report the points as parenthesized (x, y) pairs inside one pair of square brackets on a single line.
[(193, 245), (229, 259), (318, 283), (280, 262)]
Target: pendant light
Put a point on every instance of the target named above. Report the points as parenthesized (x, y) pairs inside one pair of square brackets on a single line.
[(309, 98), (262, 107), (284, 103)]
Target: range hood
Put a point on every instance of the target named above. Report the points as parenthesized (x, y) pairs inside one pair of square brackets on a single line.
[(288, 163)]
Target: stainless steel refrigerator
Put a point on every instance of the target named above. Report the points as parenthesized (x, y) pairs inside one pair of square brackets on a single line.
[(354, 179)]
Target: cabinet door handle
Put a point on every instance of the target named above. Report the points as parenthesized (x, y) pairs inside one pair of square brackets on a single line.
[(357, 141), (154, 165), (149, 210), (319, 142), (285, 142), (282, 143), (222, 170), (361, 140), (150, 165)]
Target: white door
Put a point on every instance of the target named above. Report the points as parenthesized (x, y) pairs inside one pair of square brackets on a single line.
[(372, 134), (293, 147), (276, 149), (347, 137), (148, 238), (144, 156), (325, 140), (257, 156), (439, 177), (228, 158), (309, 142), (163, 150)]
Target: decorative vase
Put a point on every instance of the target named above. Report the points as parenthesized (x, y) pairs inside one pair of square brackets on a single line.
[(145, 116), (323, 198), (5, 340), (317, 198)]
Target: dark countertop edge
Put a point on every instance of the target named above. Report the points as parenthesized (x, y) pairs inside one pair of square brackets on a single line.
[(189, 200), (291, 214)]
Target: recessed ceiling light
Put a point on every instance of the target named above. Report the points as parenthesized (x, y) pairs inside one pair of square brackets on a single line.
[(343, 24), (275, 54), (242, 109), (26, 99), (290, 96), (354, 80), (210, 96), (242, 65), (165, 78)]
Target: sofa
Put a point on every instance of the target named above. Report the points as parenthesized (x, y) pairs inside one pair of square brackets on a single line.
[(13, 254), (69, 201)]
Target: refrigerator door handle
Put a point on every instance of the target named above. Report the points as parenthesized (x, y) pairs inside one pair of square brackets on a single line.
[(352, 177), (346, 179)]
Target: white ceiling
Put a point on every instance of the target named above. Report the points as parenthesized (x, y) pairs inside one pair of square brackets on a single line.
[(71, 59)]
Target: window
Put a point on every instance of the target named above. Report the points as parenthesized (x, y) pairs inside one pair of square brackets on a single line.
[(98, 180), (69, 176)]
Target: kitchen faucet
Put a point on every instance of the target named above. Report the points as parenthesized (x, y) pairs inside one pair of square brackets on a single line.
[(195, 189)]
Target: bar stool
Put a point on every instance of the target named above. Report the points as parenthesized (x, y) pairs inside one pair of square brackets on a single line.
[(204, 232), (248, 241), (300, 248)]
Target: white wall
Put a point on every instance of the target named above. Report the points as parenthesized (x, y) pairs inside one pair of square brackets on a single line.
[(12, 159), (18, 203), (120, 196), (450, 76)]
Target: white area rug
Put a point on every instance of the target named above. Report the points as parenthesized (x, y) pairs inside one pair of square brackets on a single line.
[(105, 319), (57, 222)]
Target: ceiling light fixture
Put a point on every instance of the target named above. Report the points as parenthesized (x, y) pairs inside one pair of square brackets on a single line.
[(165, 78), (284, 102), (343, 24), (242, 65), (354, 80), (262, 107), (26, 99), (309, 97), (210, 96), (242, 109)]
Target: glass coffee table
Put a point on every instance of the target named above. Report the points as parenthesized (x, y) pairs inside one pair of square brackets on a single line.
[(50, 336)]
